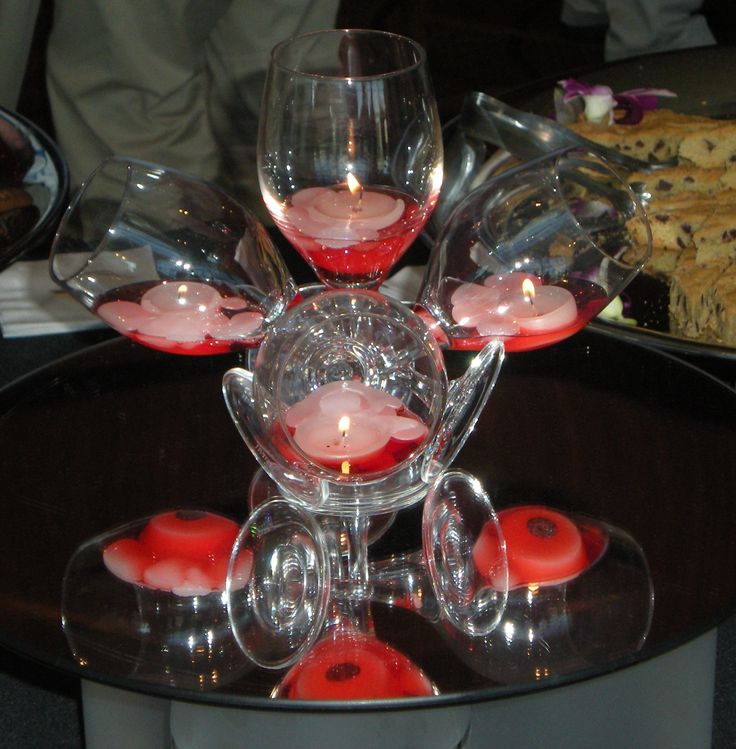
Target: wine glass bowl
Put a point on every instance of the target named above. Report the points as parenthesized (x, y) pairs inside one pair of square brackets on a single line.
[(169, 260), (531, 256), (349, 150), (348, 407)]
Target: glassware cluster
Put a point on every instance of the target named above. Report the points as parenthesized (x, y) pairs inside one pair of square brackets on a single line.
[(342, 394)]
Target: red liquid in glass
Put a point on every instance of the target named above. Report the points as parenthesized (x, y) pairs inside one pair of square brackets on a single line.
[(363, 262), (207, 345), (394, 452), (590, 300), (354, 667)]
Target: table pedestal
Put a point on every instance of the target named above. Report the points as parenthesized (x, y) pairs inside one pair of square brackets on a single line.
[(665, 701), (118, 719)]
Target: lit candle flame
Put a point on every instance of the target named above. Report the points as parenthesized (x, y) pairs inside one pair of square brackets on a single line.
[(354, 185), (527, 289), (355, 189), (181, 293), (344, 427)]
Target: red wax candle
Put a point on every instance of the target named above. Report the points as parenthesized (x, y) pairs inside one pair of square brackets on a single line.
[(187, 553), (354, 667), (543, 547)]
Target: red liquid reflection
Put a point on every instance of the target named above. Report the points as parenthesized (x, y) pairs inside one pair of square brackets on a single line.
[(352, 666)]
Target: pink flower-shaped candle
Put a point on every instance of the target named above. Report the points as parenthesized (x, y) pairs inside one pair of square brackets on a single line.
[(351, 427), (186, 317)]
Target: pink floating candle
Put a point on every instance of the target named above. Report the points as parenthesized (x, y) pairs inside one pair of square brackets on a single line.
[(332, 441), (128, 559), (180, 296), (338, 217), (541, 310), (476, 305), (176, 326), (352, 427), (405, 429), (187, 318), (178, 576), (240, 326), (351, 234), (514, 304), (123, 316)]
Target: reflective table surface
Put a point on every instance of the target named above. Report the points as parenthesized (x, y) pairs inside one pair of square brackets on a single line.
[(594, 427)]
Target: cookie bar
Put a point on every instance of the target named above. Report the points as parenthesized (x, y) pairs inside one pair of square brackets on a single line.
[(677, 179), (716, 236), (714, 146), (656, 138), (723, 321), (691, 305)]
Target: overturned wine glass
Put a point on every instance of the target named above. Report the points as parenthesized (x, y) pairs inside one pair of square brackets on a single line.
[(169, 260)]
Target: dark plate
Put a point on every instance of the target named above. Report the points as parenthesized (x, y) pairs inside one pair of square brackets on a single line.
[(47, 181), (592, 426), (702, 79)]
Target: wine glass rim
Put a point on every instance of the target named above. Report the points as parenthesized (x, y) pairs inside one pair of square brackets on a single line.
[(84, 257), (130, 165), (420, 60), (641, 215)]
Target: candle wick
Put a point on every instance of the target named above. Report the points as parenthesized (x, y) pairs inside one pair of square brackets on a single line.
[(344, 427), (358, 207)]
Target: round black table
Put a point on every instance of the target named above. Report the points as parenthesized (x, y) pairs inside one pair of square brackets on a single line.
[(592, 426)]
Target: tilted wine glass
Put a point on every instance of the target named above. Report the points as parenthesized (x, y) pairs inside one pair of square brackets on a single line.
[(532, 255), (169, 260), (349, 150)]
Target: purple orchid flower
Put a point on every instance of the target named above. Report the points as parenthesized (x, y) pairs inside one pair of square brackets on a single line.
[(602, 104)]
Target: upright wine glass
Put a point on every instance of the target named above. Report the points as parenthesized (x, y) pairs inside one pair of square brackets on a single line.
[(169, 260), (349, 150)]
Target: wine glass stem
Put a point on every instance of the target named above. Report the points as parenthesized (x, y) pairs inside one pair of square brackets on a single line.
[(348, 544)]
